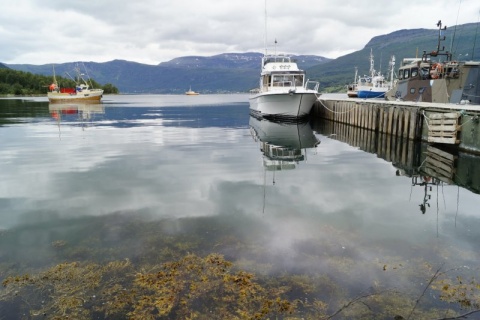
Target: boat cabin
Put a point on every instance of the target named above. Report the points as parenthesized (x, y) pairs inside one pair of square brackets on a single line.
[(436, 77), (280, 71), (283, 80), (374, 82), (426, 69)]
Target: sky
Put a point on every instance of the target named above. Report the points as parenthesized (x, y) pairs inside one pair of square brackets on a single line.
[(154, 31)]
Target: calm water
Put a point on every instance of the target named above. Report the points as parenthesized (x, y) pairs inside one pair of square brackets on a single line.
[(352, 214)]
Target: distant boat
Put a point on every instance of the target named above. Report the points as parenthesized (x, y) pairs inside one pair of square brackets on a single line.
[(190, 92), (82, 92), (374, 85), (436, 77), (284, 93)]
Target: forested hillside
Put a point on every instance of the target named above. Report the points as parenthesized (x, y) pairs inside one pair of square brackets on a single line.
[(26, 83)]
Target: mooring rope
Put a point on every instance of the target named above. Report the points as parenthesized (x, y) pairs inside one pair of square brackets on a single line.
[(336, 112), (426, 119)]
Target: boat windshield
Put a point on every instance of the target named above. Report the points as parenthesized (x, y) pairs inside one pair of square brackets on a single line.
[(281, 59), (287, 80)]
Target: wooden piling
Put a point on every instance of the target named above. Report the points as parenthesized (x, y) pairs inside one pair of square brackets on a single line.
[(452, 124)]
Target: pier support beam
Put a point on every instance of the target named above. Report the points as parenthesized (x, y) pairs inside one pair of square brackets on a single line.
[(449, 123)]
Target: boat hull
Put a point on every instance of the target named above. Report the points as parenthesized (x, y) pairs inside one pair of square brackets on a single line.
[(352, 94), (282, 106), (368, 94), (90, 96)]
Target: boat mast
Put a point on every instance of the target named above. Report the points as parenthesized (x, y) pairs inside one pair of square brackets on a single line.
[(455, 28), (474, 41), (265, 31), (88, 76), (392, 70), (441, 36), (372, 71), (54, 76)]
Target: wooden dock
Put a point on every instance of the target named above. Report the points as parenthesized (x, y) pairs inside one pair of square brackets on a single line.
[(435, 123)]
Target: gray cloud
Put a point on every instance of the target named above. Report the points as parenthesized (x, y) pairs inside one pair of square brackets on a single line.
[(155, 31)]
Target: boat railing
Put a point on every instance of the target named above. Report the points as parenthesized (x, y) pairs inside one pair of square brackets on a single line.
[(314, 85)]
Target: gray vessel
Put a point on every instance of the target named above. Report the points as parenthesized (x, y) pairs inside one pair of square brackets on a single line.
[(435, 77)]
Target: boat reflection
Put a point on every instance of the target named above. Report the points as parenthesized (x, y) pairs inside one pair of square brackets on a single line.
[(283, 145), (84, 112)]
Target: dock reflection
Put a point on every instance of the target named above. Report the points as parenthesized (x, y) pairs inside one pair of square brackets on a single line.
[(428, 165), (283, 145)]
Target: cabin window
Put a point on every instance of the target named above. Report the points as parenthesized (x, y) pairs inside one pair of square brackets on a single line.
[(288, 81), (412, 90), (400, 74), (298, 81), (406, 74), (425, 73), (414, 72), (283, 80), (277, 80)]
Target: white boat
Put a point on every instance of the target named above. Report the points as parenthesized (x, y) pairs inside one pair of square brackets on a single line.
[(375, 85), (190, 92), (284, 93), (82, 92)]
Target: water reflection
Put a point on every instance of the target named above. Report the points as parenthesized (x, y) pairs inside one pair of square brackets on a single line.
[(83, 113), (15, 111), (153, 184), (427, 165), (282, 144)]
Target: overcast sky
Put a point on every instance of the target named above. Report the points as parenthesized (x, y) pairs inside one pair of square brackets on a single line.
[(154, 31)]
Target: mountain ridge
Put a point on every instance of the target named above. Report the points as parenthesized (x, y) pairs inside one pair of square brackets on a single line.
[(222, 73), (239, 72)]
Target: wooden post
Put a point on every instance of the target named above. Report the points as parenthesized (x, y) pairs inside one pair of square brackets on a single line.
[(370, 117), (406, 117), (394, 121), (390, 119), (385, 120)]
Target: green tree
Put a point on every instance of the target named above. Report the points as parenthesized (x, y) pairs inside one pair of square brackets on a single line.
[(26, 83)]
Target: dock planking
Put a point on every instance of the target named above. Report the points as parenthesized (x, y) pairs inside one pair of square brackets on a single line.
[(436, 123)]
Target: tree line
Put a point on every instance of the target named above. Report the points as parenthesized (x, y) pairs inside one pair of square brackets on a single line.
[(26, 83)]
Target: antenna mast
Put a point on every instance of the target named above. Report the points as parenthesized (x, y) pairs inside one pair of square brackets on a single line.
[(476, 29), (441, 35), (265, 31), (455, 29)]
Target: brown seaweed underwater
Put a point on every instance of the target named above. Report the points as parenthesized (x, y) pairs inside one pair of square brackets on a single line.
[(138, 269)]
